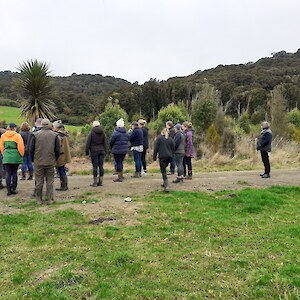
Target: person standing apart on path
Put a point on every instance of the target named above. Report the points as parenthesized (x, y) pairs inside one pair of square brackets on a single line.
[(119, 148), (12, 149), (65, 154), (164, 147), (96, 147), (142, 125), (179, 140), (264, 145), (189, 150), (44, 152), (27, 163), (171, 129), (136, 140)]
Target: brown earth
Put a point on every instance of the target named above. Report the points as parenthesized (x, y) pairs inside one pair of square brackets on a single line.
[(107, 203)]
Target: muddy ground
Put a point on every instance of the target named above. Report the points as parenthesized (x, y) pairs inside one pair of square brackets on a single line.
[(107, 203)]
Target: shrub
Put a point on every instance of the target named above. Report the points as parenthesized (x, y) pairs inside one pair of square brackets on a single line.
[(213, 139), (294, 117)]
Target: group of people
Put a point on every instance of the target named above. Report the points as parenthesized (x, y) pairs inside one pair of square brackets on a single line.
[(47, 147)]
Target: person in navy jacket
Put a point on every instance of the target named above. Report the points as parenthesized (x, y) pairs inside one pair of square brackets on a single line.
[(136, 139)]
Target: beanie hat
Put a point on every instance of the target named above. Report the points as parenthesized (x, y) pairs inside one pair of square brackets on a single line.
[(265, 125), (178, 126), (96, 123), (120, 123), (57, 124)]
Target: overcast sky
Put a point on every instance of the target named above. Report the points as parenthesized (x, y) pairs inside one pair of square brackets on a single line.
[(142, 39)]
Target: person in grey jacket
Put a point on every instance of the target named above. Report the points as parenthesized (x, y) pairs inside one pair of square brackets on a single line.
[(264, 145), (179, 153), (44, 152)]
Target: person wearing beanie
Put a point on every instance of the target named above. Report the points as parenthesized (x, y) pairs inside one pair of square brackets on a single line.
[(189, 150), (136, 140), (164, 148), (119, 148), (179, 152), (12, 149), (95, 147), (44, 151), (264, 145), (64, 156), (142, 124)]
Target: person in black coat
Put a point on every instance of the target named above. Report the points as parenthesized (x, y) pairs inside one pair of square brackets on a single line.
[(142, 125), (170, 127), (164, 147), (264, 145), (96, 147), (136, 140)]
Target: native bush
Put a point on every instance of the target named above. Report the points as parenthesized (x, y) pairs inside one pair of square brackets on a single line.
[(294, 117), (244, 122), (212, 138)]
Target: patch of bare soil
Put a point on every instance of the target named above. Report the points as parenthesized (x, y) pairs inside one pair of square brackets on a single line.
[(107, 202)]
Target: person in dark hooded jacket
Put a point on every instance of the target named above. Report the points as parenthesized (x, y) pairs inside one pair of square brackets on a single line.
[(96, 148)]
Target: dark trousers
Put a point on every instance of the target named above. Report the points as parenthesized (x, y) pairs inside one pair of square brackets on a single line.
[(266, 161), (119, 158), (137, 161), (11, 175), (61, 171), (27, 163), (143, 158), (97, 162), (163, 167), (187, 164), (179, 163), (172, 166)]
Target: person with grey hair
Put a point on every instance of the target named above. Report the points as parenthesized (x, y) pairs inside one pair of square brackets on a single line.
[(264, 145), (44, 152)]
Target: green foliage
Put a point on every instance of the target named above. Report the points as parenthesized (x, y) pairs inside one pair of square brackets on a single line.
[(173, 112), (294, 117), (244, 122), (204, 106), (228, 143), (112, 113), (35, 86), (212, 138)]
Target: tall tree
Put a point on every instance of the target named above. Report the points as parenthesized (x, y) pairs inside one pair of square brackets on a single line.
[(34, 85)]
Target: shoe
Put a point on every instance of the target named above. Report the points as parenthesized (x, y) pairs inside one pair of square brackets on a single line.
[(170, 173), (13, 192), (266, 176), (262, 174), (178, 180)]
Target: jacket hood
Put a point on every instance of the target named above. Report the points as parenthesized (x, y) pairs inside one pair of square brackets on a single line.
[(10, 133), (121, 129), (98, 130)]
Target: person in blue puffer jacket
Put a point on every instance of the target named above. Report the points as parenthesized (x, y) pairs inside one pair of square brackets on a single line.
[(119, 147)]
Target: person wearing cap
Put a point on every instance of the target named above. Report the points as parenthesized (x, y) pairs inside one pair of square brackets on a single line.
[(264, 145), (44, 152), (179, 140), (64, 156), (142, 124), (136, 141), (119, 148), (12, 149), (27, 163), (96, 147), (164, 148), (189, 150)]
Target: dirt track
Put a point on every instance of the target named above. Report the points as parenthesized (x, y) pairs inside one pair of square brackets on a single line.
[(109, 199)]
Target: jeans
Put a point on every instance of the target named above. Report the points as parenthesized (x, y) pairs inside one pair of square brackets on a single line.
[(119, 158), (61, 171), (179, 164), (97, 162), (172, 166), (27, 163), (266, 161), (187, 162), (137, 161), (11, 175)]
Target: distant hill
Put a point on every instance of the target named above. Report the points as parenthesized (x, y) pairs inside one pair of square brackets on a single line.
[(79, 98)]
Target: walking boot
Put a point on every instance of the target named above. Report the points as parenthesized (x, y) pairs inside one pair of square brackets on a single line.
[(166, 185), (178, 180), (63, 184), (8, 190), (100, 181), (30, 175), (119, 178), (190, 175), (23, 176), (95, 183)]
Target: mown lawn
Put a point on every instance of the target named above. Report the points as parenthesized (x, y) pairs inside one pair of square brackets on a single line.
[(188, 245)]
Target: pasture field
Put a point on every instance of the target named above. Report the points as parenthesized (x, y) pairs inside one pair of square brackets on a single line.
[(181, 245)]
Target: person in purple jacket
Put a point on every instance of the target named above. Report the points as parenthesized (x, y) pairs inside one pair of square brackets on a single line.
[(119, 148), (189, 150)]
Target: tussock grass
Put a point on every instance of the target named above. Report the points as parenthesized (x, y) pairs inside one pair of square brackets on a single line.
[(188, 245)]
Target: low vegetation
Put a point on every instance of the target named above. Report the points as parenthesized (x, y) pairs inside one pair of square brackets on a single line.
[(186, 245)]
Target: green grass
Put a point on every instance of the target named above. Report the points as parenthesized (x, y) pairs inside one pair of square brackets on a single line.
[(12, 114), (188, 245)]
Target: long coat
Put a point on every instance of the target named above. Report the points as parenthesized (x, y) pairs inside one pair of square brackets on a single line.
[(65, 153)]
